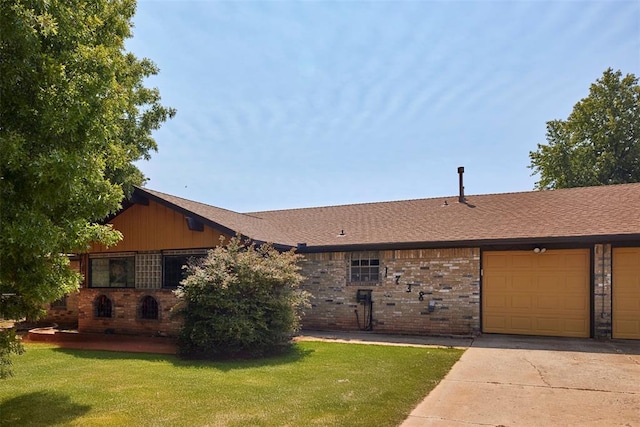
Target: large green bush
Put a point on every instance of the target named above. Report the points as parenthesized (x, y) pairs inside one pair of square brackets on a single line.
[(241, 300)]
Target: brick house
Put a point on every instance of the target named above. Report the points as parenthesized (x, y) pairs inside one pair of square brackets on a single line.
[(555, 263)]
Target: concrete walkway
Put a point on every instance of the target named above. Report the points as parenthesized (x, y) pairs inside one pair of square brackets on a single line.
[(532, 381)]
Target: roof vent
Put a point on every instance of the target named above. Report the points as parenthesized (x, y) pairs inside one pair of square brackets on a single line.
[(461, 194), (194, 224)]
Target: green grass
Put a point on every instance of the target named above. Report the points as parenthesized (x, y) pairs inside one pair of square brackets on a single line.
[(318, 383)]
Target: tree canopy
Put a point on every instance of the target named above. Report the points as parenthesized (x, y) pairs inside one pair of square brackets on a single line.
[(599, 143), (74, 116)]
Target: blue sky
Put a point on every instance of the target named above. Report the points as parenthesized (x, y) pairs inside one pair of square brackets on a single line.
[(286, 104)]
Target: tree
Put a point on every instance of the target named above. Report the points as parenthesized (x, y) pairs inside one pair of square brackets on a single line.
[(599, 143), (74, 116), (241, 300)]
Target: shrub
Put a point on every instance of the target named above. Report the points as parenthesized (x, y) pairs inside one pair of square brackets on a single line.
[(241, 300)]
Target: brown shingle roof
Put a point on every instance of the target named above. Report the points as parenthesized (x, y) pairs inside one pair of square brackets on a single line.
[(611, 212)]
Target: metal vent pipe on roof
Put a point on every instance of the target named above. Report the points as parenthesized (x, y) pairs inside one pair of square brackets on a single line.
[(461, 193)]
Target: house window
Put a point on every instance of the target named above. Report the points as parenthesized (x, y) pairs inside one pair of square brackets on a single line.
[(148, 308), (364, 267), (102, 307), (117, 272), (59, 304), (173, 271)]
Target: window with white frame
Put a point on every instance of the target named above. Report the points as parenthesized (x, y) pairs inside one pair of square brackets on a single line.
[(364, 267)]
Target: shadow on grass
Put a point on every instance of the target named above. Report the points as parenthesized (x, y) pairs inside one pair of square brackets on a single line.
[(294, 354), (42, 408)]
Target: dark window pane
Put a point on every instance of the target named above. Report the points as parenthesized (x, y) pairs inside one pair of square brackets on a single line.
[(173, 269), (102, 306), (149, 308)]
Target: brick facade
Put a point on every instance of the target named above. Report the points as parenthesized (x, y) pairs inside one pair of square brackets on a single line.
[(424, 292), (125, 317), (602, 291), (65, 315), (411, 281)]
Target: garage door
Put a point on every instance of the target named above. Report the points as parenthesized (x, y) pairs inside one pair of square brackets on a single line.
[(536, 293), (626, 293)]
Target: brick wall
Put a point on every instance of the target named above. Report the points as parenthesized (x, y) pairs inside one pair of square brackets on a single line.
[(64, 316), (602, 290), (124, 319), (447, 278)]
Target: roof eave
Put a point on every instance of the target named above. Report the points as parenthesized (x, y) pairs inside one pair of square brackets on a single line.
[(556, 241)]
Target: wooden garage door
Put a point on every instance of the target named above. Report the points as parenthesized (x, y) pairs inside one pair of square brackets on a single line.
[(626, 293), (536, 294)]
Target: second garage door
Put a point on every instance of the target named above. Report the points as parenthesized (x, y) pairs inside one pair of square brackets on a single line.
[(536, 293), (626, 293)]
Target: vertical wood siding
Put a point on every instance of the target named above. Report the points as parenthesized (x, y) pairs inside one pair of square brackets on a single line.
[(156, 227)]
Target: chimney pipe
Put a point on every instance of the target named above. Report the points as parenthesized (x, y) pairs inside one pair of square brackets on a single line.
[(461, 193)]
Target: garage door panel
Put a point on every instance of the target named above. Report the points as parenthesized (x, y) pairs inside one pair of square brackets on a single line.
[(627, 306), (549, 303), (495, 261), (496, 302), (575, 327), (519, 282), (497, 283), (579, 305), (521, 262), (520, 323), (548, 285), (496, 322), (576, 261), (626, 293), (552, 261), (539, 294), (521, 302), (574, 284)]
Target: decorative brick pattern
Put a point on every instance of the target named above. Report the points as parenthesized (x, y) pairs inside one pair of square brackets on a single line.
[(446, 278), (125, 319), (602, 290)]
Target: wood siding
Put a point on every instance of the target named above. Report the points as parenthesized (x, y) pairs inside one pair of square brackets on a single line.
[(156, 227)]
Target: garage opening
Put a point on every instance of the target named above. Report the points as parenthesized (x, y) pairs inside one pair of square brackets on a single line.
[(536, 293), (626, 293)]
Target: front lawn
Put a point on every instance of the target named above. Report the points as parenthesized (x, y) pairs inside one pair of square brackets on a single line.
[(318, 383)]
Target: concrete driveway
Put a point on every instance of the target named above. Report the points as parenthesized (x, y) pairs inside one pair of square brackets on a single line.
[(531, 381)]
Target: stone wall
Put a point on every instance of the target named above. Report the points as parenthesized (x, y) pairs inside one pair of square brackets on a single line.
[(427, 292)]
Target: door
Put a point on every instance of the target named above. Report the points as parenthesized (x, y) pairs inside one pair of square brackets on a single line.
[(626, 293), (536, 293)]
